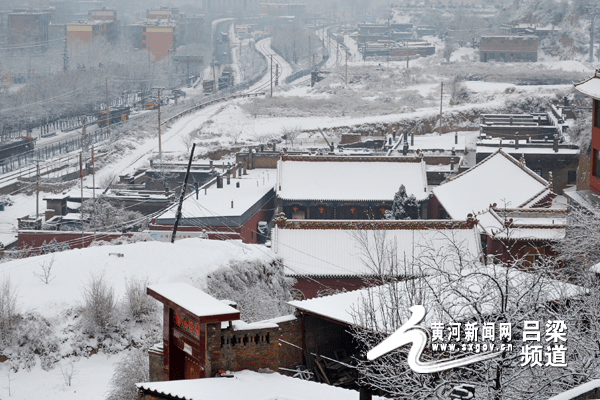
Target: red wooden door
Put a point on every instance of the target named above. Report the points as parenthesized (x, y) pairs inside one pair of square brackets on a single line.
[(192, 369)]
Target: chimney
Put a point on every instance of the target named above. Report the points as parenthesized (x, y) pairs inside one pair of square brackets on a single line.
[(394, 134), (405, 147), (219, 182), (228, 179), (516, 140), (455, 137), (412, 138), (211, 164), (244, 166), (250, 160), (231, 203), (235, 171), (566, 101), (452, 164), (262, 148), (453, 151), (237, 184), (274, 147), (555, 145)]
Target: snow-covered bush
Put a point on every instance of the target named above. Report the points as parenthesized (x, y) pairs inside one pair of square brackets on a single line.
[(53, 247), (32, 338), (260, 288), (404, 206), (8, 307), (99, 304), (132, 369), (138, 304)]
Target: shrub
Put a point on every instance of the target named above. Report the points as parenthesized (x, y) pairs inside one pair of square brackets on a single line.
[(100, 302), (139, 305), (132, 369)]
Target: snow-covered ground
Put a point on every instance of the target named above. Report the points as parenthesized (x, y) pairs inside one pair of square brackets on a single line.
[(187, 260)]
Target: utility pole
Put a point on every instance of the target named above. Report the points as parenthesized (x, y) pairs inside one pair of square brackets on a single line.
[(107, 108), (182, 196), (214, 77), (309, 48), (271, 75), (593, 15), (81, 180), (159, 139), (37, 191), (346, 67), (94, 190), (65, 58), (389, 43), (441, 103)]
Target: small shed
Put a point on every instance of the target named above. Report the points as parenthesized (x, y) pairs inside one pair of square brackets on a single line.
[(187, 311)]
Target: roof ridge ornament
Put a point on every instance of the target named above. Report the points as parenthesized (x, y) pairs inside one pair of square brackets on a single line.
[(522, 160)]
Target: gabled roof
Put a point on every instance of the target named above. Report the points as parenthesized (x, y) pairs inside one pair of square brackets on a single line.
[(590, 87), (499, 179), (248, 385), (337, 248), (525, 224), (348, 178), (437, 290)]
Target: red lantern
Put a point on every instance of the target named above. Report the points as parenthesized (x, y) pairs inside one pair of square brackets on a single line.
[(321, 209), (352, 210)]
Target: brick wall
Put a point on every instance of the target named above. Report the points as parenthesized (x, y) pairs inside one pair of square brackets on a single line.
[(238, 350), (254, 348), (155, 359), (35, 239)]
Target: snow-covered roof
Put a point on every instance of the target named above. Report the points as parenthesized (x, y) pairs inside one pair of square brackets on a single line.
[(333, 248), (193, 300), (525, 224), (230, 201), (579, 391), (499, 179), (349, 178), (590, 87), (438, 290), (249, 385)]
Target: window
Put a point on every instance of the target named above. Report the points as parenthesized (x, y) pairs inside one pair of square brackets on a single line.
[(597, 113), (489, 41), (143, 29), (571, 177), (596, 164)]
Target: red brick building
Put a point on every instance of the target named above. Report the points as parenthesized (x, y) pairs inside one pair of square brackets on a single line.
[(159, 37), (509, 48), (591, 88), (28, 26)]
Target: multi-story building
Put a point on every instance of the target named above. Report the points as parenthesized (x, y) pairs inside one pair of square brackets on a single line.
[(105, 14), (28, 26), (591, 197), (168, 13), (231, 7), (159, 37), (509, 48), (86, 31)]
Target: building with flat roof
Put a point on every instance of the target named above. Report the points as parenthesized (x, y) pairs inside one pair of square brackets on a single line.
[(509, 48), (171, 14), (108, 14), (86, 31), (28, 26), (159, 37)]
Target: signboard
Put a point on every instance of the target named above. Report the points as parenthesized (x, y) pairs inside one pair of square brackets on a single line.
[(185, 324)]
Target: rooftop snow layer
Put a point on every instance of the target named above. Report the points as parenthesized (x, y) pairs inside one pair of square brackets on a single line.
[(230, 200), (338, 252), (439, 290), (249, 385), (590, 87), (193, 300), (349, 178), (498, 179)]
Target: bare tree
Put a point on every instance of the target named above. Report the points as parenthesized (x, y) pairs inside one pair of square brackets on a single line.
[(132, 369), (68, 372), (291, 133), (8, 307), (456, 288), (46, 274)]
